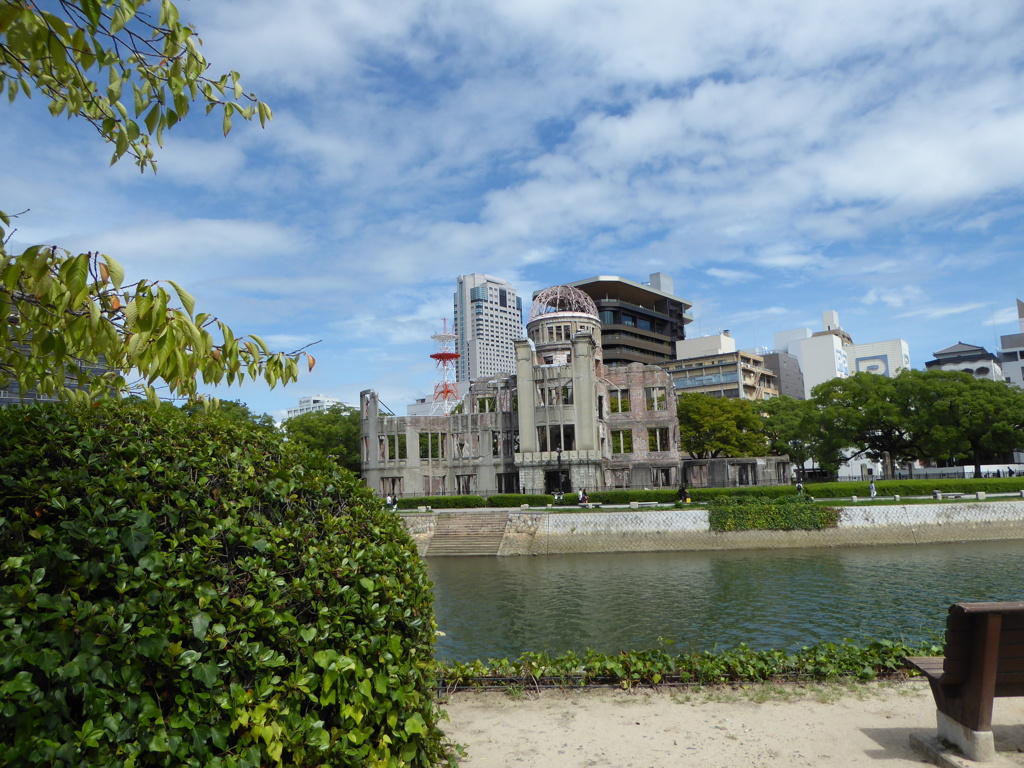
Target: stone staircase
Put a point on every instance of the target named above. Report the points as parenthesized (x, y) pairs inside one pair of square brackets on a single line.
[(467, 533)]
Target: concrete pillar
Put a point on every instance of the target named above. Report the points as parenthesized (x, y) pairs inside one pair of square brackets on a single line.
[(584, 393), (527, 391)]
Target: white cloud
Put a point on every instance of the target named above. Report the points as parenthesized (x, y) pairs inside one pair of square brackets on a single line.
[(934, 312), (771, 157), (893, 297), (731, 276), (1004, 316)]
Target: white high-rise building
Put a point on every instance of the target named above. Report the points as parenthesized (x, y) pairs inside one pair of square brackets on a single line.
[(831, 353), (314, 404), (488, 322), (1013, 351)]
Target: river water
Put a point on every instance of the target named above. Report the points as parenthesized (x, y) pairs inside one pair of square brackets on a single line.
[(491, 607)]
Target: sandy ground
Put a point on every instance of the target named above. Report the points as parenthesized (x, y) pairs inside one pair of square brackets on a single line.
[(711, 728)]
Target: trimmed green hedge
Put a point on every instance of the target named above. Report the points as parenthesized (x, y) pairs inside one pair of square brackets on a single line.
[(751, 491), (793, 513), (443, 502), (509, 500), (915, 487), (188, 590), (660, 495)]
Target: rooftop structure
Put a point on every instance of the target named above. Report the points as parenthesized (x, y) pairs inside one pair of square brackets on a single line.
[(977, 361), (640, 323), (710, 365)]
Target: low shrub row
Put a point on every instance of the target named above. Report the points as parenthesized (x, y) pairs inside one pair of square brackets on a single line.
[(618, 497), (750, 513), (711, 495), (661, 495), (916, 487), (754, 491), (510, 500), (822, 662), (443, 502)]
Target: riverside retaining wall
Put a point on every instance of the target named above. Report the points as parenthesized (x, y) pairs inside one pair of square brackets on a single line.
[(543, 533)]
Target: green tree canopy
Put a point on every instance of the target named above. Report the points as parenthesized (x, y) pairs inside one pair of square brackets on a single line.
[(72, 325), (947, 416), (710, 427), (790, 428), (961, 418), (334, 432), (869, 414), (232, 410)]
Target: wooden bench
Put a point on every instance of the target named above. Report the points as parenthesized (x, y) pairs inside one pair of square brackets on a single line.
[(984, 659)]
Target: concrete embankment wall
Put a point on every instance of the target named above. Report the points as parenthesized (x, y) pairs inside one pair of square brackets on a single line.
[(542, 533)]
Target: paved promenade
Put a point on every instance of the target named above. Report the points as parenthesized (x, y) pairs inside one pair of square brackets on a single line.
[(755, 726)]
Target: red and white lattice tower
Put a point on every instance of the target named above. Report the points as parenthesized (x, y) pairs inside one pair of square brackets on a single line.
[(446, 393)]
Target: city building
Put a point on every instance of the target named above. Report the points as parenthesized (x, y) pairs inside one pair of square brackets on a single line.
[(886, 358), (314, 404), (821, 357), (11, 394), (640, 323), (1012, 357), (787, 373), (561, 421), (977, 361), (488, 320), (711, 365), (831, 353)]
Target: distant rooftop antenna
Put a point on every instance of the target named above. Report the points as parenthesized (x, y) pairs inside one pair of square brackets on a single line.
[(446, 393)]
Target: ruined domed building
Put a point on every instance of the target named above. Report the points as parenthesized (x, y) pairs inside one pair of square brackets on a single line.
[(562, 421)]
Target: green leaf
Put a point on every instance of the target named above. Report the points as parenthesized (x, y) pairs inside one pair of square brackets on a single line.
[(206, 674), (21, 683), (415, 724), (185, 298), (136, 538), (200, 622)]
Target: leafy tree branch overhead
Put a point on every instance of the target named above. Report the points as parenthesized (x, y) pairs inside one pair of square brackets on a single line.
[(73, 327), (92, 55)]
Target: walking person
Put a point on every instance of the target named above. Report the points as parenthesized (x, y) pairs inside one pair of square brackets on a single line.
[(872, 490)]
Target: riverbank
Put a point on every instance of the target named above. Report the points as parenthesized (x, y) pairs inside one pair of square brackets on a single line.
[(540, 532), (821, 726)]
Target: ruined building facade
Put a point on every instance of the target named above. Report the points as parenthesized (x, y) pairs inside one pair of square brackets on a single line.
[(562, 421)]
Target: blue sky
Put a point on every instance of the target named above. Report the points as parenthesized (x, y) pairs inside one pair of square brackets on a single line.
[(775, 158)]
